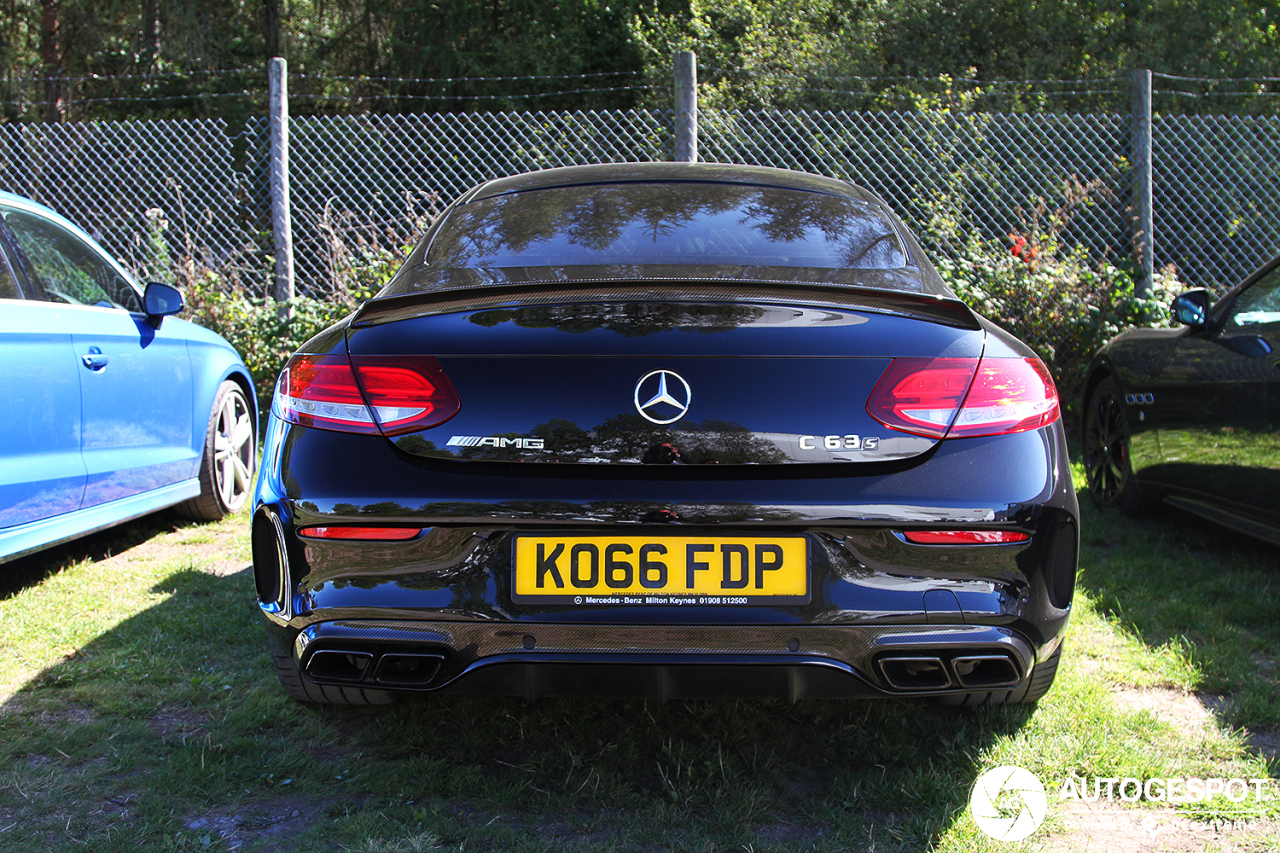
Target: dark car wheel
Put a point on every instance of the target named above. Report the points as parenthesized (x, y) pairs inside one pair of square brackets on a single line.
[(1106, 453), (298, 686), (1028, 693), (226, 468)]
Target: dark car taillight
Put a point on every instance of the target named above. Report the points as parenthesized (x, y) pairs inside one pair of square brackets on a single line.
[(368, 393), (964, 397)]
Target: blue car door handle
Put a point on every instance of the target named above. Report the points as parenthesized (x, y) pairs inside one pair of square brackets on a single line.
[(95, 360)]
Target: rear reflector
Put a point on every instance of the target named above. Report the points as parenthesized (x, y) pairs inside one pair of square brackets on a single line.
[(380, 534), (964, 537), (366, 394), (964, 397)]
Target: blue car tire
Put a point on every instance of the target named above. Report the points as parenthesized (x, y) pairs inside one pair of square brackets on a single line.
[(230, 451)]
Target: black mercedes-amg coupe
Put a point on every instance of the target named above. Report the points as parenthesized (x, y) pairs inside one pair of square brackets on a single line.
[(1191, 416), (668, 430)]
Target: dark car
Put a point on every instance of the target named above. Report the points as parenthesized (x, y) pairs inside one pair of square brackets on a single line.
[(665, 430), (1191, 416), (113, 408)]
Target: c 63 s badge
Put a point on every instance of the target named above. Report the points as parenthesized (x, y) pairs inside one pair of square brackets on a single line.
[(495, 441), (838, 442)]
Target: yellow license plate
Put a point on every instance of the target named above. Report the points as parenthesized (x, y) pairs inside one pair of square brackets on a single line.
[(660, 570)]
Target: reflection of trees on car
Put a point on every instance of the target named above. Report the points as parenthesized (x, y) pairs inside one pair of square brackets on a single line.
[(69, 270), (563, 438), (633, 320), (725, 443), (650, 224)]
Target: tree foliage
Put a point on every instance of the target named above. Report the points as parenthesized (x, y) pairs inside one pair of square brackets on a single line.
[(433, 55)]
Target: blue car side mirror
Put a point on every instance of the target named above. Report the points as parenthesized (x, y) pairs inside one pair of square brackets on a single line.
[(1192, 308), (161, 300)]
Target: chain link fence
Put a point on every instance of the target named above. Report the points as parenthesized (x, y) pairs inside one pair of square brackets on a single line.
[(363, 187), (188, 198), (165, 197), (951, 177), (1216, 196)]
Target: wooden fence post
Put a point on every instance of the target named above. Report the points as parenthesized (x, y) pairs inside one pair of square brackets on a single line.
[(686, 74), (281, 228), (1144, 219)]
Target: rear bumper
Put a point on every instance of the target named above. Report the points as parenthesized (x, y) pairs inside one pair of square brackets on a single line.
[(885, 617), (662, 662)]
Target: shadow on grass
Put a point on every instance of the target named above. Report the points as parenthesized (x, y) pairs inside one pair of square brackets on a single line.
[(168, 732), (17, 575), (1209, 595)]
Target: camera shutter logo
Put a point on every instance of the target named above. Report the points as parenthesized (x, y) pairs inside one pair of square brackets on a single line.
[(1014, 787)]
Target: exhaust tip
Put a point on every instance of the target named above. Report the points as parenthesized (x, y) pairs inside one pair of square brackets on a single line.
[(407, 669), (270, 562), (985, 671), (915, 673), (338, 665)]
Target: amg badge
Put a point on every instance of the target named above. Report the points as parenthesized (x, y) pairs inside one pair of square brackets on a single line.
[(494, 441)]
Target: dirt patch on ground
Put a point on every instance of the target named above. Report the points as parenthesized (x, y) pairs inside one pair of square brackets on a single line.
[(272, 825), (1189, 713), (1265, 742), (179, 726), (1105, 826), (211, 550)]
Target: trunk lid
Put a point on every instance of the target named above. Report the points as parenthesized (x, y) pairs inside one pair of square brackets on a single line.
[(676, 382)]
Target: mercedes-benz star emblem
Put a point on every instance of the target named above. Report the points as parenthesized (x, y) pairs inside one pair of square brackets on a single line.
[(665, 394)]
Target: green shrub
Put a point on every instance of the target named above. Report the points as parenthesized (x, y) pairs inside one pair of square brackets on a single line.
[(255, 328), (1060, 304)]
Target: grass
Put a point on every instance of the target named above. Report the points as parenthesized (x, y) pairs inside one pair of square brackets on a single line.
[(140, 713)]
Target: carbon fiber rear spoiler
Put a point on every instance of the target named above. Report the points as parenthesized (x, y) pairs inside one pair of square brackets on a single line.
[(947, 311)]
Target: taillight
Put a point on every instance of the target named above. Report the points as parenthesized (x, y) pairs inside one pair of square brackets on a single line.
[(964, 537), (367, 394), (407, 393), (922, 395), (964, 397)]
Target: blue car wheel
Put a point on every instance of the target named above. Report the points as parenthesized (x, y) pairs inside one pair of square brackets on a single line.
[(226, 468)]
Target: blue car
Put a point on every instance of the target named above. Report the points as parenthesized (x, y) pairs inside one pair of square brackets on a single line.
[(112, 407)]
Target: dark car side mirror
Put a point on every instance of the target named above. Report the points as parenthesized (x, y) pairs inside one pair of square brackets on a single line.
[(160, 301), (1192, 308)]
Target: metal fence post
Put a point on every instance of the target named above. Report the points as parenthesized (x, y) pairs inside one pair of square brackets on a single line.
[(686, 74), (281, 228), (1144, 220)]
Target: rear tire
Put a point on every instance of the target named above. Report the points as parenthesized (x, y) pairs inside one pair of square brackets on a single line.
[(230, 451), (1028, 693), (299, 687)]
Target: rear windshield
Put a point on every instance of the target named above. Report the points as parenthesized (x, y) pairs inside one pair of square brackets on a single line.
[(668, 223)]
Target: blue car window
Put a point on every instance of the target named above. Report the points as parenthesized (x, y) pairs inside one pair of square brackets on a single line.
[(70, 269), (8, 289), (1259, 305)]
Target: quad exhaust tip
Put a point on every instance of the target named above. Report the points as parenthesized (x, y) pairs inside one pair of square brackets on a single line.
[(339, 665), (915, 673), (985, 671), (927, 672), (407, 670), (393, 669)]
